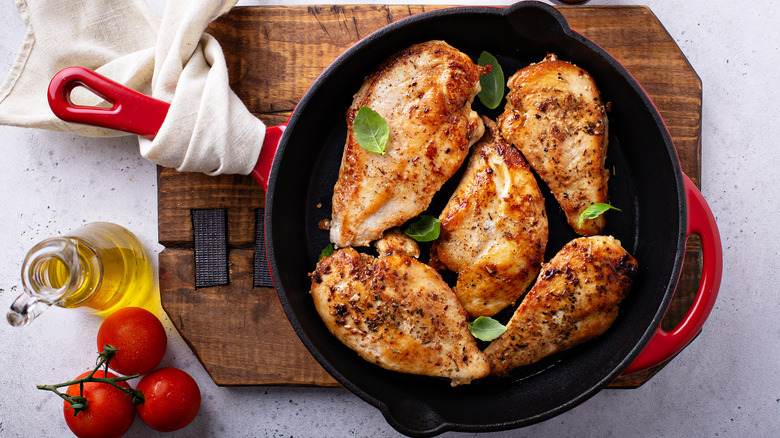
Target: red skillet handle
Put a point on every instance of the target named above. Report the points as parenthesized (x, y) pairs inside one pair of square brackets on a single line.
[(262, 169), (664, 345), (130, 110)]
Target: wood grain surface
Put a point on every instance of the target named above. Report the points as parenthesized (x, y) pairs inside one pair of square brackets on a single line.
[(239, 332)]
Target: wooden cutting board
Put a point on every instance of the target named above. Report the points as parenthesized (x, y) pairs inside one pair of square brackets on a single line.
[(240, 332)]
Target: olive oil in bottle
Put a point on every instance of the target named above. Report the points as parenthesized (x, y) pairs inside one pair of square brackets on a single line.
[(99, 267)]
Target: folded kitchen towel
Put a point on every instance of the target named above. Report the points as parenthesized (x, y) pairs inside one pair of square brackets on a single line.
[(207, 129)]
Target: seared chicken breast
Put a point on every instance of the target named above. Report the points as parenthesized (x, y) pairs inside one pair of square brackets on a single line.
[(575, 299), (554, 115), (425, 94), (397, 313), (494, 227), (394, 240)]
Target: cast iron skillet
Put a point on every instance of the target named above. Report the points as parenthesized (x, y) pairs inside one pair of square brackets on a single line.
[(660, 205)]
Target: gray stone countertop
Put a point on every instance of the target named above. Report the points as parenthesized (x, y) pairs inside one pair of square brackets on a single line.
[(726, 383)]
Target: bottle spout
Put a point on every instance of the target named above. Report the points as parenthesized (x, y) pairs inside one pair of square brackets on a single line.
[(50, 273), (24, 309)]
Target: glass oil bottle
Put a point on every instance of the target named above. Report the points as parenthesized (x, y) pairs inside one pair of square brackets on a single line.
[(99, 267)]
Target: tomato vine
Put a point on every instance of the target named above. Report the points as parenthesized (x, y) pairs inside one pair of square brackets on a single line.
[(79, 403)]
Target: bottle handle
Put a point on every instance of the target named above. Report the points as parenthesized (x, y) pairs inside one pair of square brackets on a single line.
[(40, 290), (24, 309), (664, 345)]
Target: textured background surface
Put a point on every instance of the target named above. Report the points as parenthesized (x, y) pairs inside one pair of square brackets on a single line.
[(724, 384)]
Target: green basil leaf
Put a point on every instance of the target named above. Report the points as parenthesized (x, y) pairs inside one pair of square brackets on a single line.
[(492, 83), (486, 328), (371, 130), (594, 211), (327, 251), (425, 229)]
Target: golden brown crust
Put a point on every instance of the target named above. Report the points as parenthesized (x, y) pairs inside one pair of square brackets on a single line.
[(398, 313), (425, 94), (395, 241), (494, 227), (575, 299), (555, 116)]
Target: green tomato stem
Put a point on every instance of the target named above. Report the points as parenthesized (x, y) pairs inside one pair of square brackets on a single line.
[(79, 402)]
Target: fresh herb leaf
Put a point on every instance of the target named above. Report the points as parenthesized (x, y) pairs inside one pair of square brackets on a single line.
[(492, 83), (327, 252), (594, 211), (425, 229), (371, 130), (486, 328)]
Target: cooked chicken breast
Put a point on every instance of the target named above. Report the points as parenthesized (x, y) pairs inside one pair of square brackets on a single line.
[(554, 115), (494, 227), (395, 241), (425, 94), (397, 313), (575, 299)]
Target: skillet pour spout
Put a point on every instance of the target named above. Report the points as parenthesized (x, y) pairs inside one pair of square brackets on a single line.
[(536, 21)]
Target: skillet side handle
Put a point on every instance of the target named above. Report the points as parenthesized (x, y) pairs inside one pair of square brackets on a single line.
[(130, 111), (664, 345), (262, 170)]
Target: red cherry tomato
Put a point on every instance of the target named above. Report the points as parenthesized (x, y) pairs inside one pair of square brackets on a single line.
[(139, 336), (171, 399), (109, 413)]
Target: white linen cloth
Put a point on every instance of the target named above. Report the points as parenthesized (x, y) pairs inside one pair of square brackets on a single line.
[(207, 129)]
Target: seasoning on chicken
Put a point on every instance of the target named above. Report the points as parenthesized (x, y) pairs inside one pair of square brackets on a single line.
[(394, 240), (555, 116), (575, 299), (398, 313), (425, 94), (494, 227)]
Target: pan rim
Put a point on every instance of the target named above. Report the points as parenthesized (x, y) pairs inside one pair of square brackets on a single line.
[(667, 293)]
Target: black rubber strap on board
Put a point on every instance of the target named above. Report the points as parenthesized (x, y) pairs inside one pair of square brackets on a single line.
[(262, 277), (211, 263)]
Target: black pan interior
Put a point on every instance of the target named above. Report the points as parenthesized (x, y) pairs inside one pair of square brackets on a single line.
[(646, 184)]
